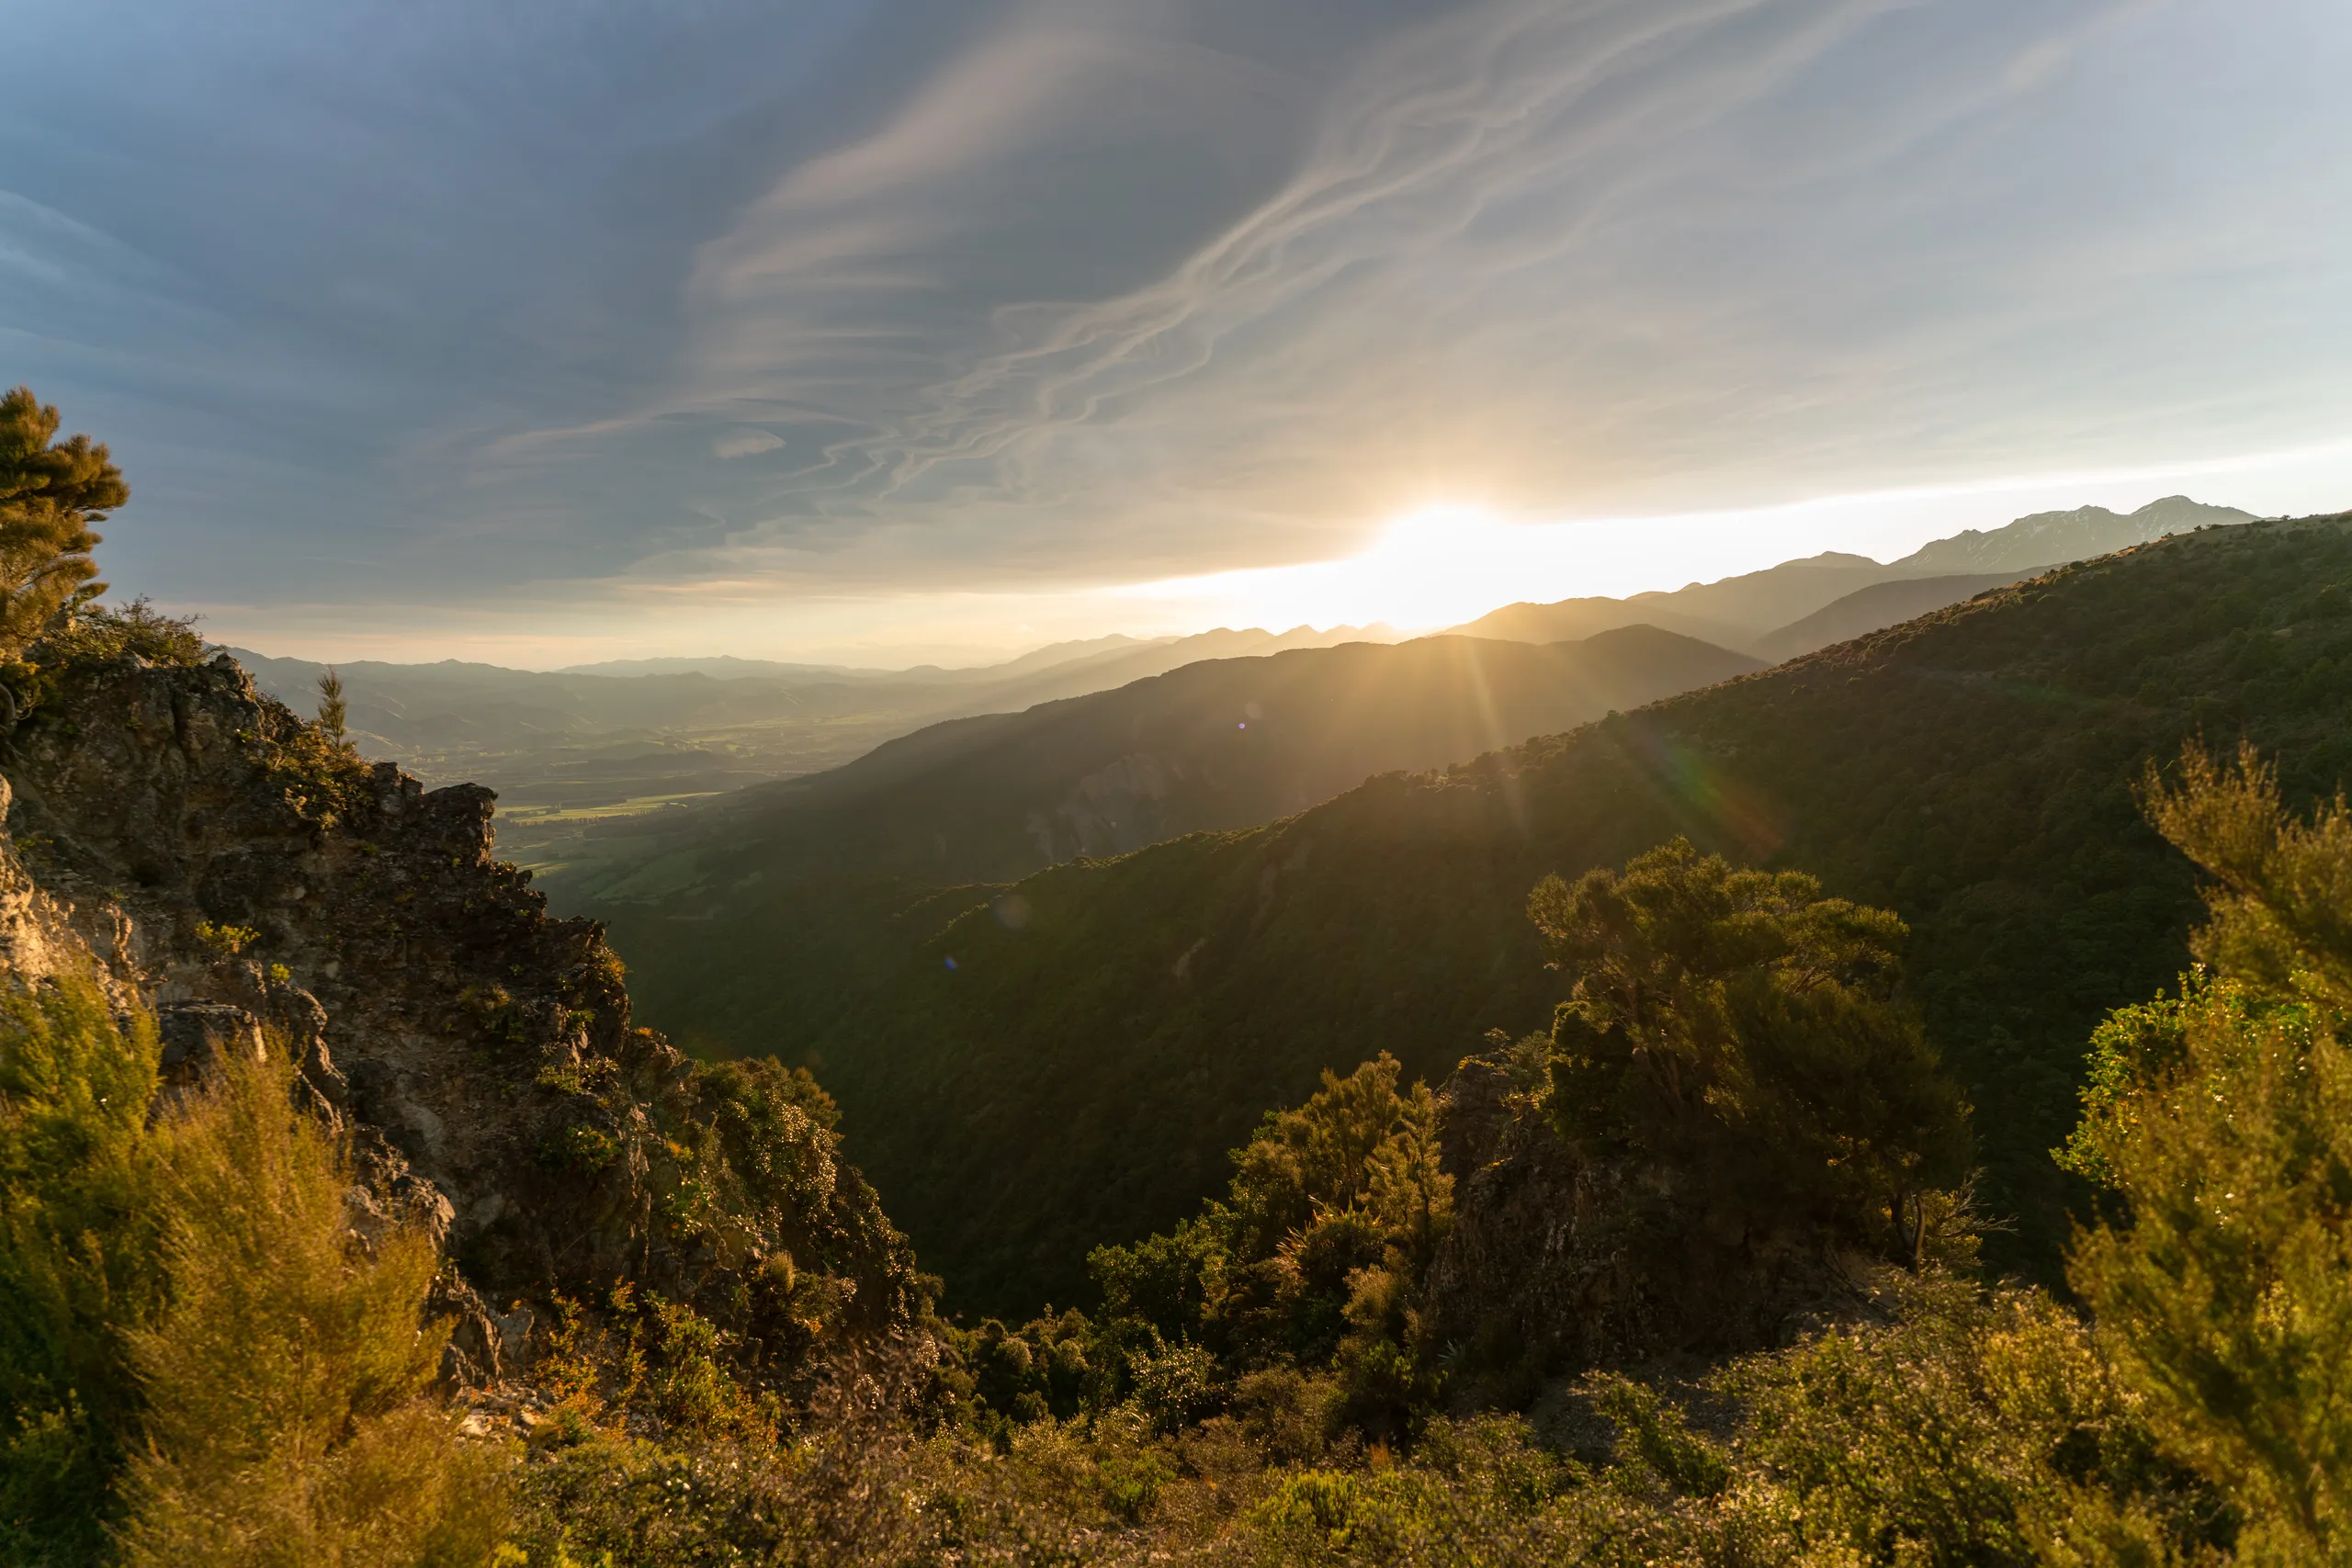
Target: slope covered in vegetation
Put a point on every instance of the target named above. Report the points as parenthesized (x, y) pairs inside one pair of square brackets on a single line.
[(1075, 1076), (1331, 1365), (305, 1103), (1221, 743)]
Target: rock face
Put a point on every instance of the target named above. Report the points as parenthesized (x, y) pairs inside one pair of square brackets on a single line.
[(1557, 1262), (220, 862)]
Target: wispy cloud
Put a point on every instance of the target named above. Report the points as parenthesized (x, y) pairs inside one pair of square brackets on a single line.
[(1567, 257), (867, 296)]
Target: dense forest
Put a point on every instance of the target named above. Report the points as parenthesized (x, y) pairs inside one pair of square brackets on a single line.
[(347, 1217), (1074, 1075)]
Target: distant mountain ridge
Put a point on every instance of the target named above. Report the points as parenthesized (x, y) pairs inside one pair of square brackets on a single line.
[(682, 728), (2050, 538), (639, 735), (1758, 612), (1729, 612), (727, 667)]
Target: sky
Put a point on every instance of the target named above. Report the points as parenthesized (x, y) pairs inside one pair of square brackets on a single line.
[(907, 329)]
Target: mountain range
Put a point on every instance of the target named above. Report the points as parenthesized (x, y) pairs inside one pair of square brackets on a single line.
[(1026, 1068), (570, 748), (633, 737), (1770, 613)]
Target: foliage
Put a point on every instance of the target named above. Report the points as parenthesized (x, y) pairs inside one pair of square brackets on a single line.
[(181, 1293), (1078, 1080), (332, 709), (85, 635), (1059, 1367), (1950, 1426), (1315, 1259), (786, 1258), (750, 1168), (1743, 1030), (2223, 1123), (95, 634), (324, 779), (859, 1481), (50, 493), (286, 1414), (649, 1359), (1968, 1430), (77, 1259), (224, 940)]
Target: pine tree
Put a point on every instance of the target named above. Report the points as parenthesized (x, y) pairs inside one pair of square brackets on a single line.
[(332, 708), (50, 493)]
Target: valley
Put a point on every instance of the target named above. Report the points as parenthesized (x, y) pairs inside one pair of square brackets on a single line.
[(1108, 1028), (911, 785)]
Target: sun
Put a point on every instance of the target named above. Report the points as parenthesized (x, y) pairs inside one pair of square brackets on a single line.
[(1433, 567)]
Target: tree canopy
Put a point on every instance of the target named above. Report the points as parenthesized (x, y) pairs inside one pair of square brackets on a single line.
[(52, 492), (1738, 1026)]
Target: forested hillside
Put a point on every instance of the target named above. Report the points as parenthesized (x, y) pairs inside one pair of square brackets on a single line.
[(1020, 1089), (1221, 743), (1874, 608)]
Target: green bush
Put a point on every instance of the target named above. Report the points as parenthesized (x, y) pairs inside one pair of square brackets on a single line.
[(78, 1265), (1744, 1031), (2222, 1121), (288, 1420), (1968, 1430), (97, 633), (190, 1334)]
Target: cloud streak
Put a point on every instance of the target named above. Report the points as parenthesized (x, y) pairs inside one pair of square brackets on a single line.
[(1565, 258), (1022, 295)]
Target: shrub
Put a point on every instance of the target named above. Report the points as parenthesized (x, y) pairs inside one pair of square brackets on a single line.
[(2222, 1121), (1968, 1430), (1325, 1196), (96, 632), (78, 1266), (286, 1414)]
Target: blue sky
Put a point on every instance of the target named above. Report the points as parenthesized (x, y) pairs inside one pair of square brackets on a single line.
[(870, 326)]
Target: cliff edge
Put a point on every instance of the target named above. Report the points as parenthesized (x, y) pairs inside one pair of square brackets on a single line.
[(210, 856)]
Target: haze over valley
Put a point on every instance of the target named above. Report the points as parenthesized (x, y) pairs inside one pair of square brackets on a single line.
[(593, 764)]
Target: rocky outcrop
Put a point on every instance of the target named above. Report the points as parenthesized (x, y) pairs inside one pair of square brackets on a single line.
[(1557, 1262), (220, 862)]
